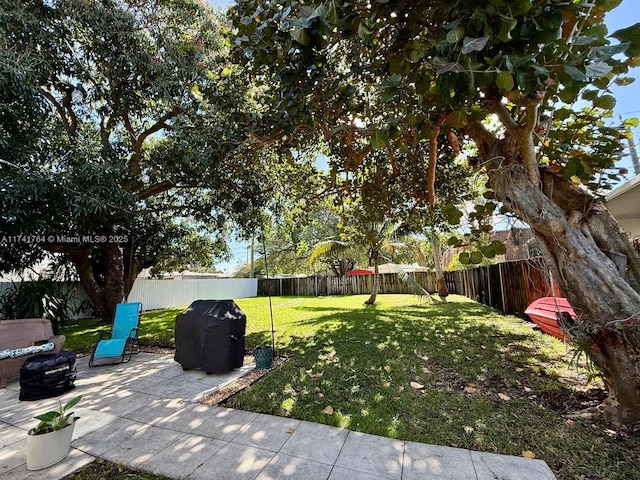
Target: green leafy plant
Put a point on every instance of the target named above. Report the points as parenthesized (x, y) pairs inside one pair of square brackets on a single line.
[(39, 298), (56, 419)]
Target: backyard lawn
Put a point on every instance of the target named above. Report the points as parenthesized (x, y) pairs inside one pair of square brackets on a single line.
[(456, 374)]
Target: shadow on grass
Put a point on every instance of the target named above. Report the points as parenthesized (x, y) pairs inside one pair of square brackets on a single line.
[(362, 351), (456, 374)]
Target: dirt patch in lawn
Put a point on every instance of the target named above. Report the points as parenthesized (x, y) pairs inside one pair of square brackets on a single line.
[(567, 401)]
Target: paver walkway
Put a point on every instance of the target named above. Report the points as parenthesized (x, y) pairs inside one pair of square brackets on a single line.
[(145, 414)]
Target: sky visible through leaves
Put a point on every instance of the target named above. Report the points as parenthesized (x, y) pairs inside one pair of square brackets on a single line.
[(628, 102)]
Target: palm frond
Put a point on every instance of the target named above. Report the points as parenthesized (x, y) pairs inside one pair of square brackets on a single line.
[(415, 287), (326, 247)]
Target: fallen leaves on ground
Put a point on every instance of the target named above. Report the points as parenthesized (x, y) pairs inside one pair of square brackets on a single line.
[(416, 385), (528, 454), (504, 396), (328, 410)]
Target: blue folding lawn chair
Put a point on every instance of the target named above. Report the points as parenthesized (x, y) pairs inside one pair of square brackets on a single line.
[(124, 335)]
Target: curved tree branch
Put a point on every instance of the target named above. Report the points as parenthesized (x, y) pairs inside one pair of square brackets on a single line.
[(138, 141), (155, 189), (60, 109)]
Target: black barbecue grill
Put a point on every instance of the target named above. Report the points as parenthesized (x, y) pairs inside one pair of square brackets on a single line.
[(210, 336)]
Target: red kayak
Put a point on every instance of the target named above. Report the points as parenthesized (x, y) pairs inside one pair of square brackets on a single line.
[(543, 313)]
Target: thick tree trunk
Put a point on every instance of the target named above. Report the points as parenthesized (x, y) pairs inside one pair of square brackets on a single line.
[(443, 292), (114, 291), (376, 282), (132, 268), (82, 261), (107, 294), (579, 238)]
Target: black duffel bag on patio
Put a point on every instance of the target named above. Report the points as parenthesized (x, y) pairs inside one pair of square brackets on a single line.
[(46, 376)]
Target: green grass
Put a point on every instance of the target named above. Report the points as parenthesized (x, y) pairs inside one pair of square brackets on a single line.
[(490, 382), (156, 328)]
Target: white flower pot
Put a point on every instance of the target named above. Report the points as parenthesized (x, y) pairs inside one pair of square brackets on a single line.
[(49, 448)]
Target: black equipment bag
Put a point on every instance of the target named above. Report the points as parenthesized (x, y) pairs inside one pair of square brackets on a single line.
[(46, 376)]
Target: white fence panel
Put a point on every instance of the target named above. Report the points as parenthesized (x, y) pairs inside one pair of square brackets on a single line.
[(155, 294)]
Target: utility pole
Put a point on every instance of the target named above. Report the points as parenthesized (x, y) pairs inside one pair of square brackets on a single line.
[(632, 150), (634, 156), (251, 272)]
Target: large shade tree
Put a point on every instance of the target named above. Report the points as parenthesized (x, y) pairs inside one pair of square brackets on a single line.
[(122, 136), (395, 74)]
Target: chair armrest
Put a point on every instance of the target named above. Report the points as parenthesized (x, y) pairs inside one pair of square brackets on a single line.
[(134, 332), (58, 342), (102, 333)]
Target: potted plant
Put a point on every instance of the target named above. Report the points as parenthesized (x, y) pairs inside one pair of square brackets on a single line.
[(263, 357), (48, 442)]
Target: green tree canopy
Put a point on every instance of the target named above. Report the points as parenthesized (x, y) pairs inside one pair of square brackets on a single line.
[(393, 76), (123, 134)]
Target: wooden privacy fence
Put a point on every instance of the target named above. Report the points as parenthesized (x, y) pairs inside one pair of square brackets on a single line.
[(507, 287)]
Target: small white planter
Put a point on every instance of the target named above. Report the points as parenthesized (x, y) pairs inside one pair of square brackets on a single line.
[(49, 448)]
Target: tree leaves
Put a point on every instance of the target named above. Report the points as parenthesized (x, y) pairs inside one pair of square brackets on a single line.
[(457, 119), (504, 81), (606, 102), (574, 73), (365, 30), (379, 139), (631, 35), (598, 69), (473, 44), (455, 35), (301, 35)]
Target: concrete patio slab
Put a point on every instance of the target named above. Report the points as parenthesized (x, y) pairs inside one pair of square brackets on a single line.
[(225, 423), (190, 418), (142, 446), (74, 461), (490, 466), (437, 463), (91, 420), (13, 455), (340, 473), (126, 404), (267, 432), (315, 442), (233, 461), (104, 439), (286, 467), (10, 434), (372, 454), (183, 457), (145, 415), (157, 411)]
